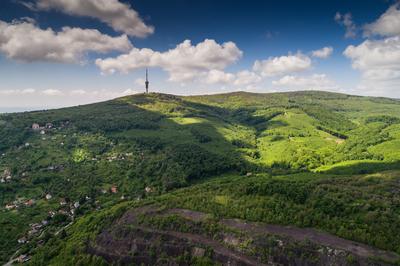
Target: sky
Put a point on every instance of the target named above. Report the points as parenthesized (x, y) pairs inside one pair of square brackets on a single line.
[(56, 53)]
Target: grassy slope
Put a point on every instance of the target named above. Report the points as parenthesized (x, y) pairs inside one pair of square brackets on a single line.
[(173, 141), (362, 208)]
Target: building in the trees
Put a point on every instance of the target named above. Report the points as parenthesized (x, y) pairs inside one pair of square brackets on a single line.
[(35, 126)]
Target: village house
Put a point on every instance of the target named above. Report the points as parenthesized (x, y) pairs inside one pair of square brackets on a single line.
[(63, 202), (23, 258), (63, 212), (22, 240), (49, 125), (42, 132), (35, 126), (48, 196), (114, 189), (10, 207), (36, 226), (148, 189), (29, 202), (76, 205), (6, 172)]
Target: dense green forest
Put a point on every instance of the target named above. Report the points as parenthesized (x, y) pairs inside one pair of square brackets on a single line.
[(310, 159)]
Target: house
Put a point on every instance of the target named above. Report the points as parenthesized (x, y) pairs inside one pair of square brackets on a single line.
[(148, 189), (23, 258), (10, 207), (48, 196), (6, 172), (76, 205), (63, 202), (49, 125), (52, 214), (35, 126), (42, 132), (22, 240), (114, 189), (29, 202)]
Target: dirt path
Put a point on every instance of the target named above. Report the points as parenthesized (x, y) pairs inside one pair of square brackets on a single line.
[(299, 234)]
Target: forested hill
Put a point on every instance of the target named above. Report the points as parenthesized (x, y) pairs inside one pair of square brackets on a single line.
[(61, 166)]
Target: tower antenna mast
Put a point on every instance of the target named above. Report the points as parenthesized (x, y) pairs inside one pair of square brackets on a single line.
[(147, 81)]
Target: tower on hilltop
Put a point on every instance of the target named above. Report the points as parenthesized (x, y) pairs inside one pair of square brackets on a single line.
[(147, 81)]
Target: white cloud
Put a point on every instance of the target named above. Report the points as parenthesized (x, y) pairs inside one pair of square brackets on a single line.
[(25, 41), (120, 16), (17, 92), (218, 76), (78, 92), (246, 77), (323, 52), (388, 23), (52, 92), (283, 65), (313, 82), (379, 63), (346, 21), (183, 63)]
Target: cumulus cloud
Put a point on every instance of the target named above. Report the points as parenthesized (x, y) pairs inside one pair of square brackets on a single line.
[(323, 52), (120, 16), (388, 23), (218, 76), (25, 41), (313, 82), (183, 63), (378, 61), (346, 21), (241, 78), (282, 65), (246, 77)]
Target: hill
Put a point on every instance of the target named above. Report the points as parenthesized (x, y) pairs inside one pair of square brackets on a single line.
[(309, 159)]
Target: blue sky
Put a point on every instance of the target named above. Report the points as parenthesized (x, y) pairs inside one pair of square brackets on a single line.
[(43, 64)]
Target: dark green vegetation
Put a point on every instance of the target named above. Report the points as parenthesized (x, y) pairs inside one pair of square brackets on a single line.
[(317, 160)]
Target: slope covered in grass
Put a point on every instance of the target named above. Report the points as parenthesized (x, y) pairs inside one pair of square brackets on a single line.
[(134, 146)]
